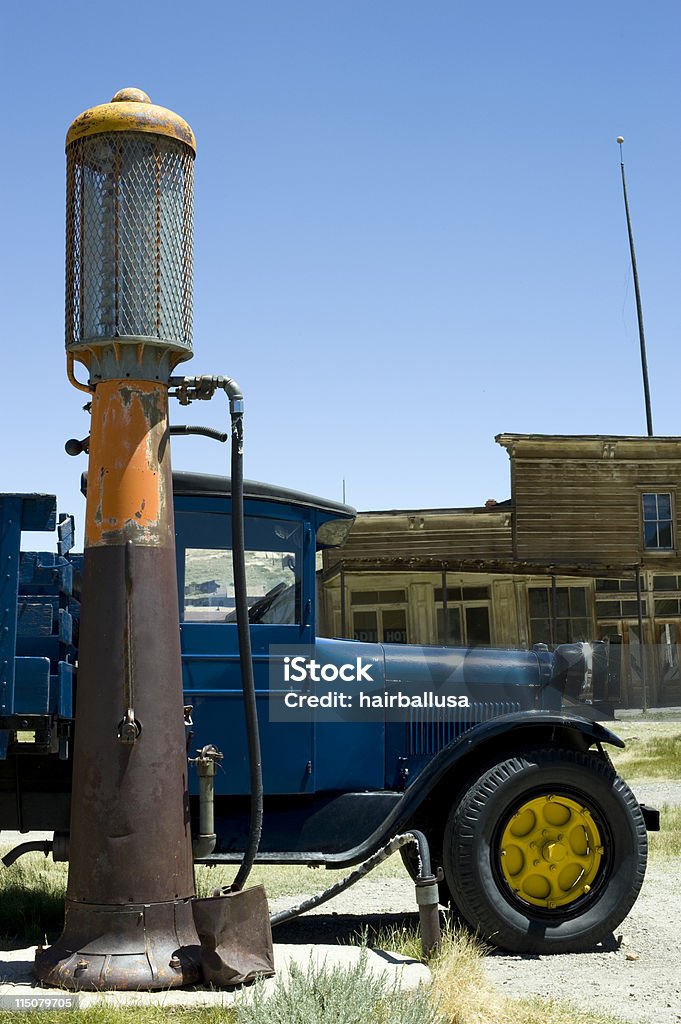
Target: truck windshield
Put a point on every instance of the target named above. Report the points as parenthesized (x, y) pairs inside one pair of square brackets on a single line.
[(273, 568)]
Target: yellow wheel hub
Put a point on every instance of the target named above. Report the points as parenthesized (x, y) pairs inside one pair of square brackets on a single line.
[(550, 851)]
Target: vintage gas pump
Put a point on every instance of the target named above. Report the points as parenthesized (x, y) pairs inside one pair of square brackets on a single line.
[(131, 918), (128, 921)]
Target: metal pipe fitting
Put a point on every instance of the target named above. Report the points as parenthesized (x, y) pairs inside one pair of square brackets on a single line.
[(428, 901), (60, 846), (427, 897), (206, 765), (35, 846), (190, 389)]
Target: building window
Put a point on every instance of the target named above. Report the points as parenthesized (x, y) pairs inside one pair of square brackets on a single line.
[(386, 625), (657, 522), (612, 609), (570, 622), (666, 583), (667, 595), (616, 599), (378, 597), (620, 586), (468, 617)]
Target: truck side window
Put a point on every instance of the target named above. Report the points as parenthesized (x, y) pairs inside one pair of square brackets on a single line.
[(273, 574)]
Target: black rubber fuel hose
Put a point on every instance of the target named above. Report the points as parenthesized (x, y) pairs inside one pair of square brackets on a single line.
[(180, 429), (244, 634), (424, 873)]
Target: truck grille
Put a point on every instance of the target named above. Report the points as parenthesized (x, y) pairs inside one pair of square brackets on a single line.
[(428, 735)]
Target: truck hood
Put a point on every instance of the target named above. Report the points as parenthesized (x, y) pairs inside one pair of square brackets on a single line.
[(460, 671)]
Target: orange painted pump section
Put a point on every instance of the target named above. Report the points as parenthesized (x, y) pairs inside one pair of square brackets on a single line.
[(129, 467)]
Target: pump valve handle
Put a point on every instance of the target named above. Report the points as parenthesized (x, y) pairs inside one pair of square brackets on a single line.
[(74, 447)]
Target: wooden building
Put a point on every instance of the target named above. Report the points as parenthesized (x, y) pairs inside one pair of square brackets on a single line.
[(587, 546)]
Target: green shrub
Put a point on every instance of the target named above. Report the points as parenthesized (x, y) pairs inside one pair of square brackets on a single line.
[(338, 995)]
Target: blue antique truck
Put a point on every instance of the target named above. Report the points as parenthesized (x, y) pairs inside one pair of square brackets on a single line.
[(537, 842)]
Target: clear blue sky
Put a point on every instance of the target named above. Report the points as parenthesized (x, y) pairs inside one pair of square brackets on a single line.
[(409, 228)]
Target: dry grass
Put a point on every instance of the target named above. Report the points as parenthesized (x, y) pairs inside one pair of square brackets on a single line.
[(32, 898), (124, 1015), (32, 890), (653, 750), (666, 844), (288, 879), (461, 991), (549, 1011)]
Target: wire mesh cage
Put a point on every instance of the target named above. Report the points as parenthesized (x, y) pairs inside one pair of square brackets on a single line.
[(129, 241)]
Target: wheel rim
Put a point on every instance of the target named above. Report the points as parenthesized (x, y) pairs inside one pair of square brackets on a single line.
[(550, 851)]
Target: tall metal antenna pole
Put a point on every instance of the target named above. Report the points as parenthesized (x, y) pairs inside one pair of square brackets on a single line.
[(639, 311)]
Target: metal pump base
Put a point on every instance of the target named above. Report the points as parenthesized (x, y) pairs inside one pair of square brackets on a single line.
[(143, 946)]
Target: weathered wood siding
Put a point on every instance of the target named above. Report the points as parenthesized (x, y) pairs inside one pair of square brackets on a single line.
[(580, 498), (442, 534)]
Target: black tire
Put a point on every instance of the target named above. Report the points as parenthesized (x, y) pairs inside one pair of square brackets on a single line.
[(472, 852)]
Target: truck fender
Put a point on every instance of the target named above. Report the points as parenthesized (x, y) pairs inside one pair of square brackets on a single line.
[(496, 736)]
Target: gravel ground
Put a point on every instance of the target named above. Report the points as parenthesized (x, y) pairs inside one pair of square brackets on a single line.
[(655, 794), (639, 981)]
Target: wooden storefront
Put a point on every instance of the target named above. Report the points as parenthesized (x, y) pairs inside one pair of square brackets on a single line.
[(557, 562)]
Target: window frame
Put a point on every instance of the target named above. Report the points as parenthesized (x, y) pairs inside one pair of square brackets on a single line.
[(462, 604), (587, 617), (211, 519), (644, 492), (378, 610)]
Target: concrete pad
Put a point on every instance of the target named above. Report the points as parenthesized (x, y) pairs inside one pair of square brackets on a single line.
[(16, 976)]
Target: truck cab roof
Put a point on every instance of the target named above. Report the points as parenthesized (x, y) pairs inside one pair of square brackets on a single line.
[(205, 484), (333, 518)]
